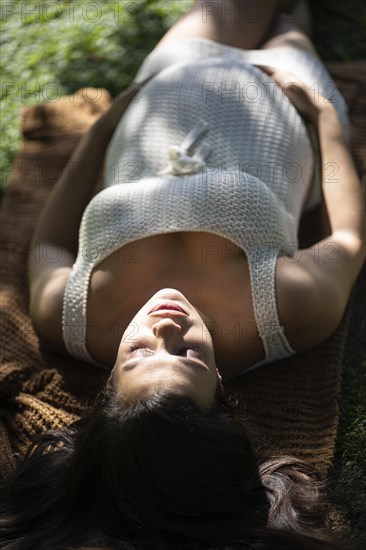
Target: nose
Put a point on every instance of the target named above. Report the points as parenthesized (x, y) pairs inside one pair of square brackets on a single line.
[(167, 332)]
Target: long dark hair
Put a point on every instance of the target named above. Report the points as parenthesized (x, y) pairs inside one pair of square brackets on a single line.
[(159, 473)]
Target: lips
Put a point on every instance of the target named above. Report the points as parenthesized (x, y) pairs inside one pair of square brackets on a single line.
[(168, 306)]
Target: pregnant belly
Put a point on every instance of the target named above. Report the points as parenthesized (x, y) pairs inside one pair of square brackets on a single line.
[(249, 124)]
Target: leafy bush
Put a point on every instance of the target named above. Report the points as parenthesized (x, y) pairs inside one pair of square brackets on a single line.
[(51, 48)]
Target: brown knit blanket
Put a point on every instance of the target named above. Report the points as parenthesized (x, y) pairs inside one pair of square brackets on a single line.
[(290, 405)]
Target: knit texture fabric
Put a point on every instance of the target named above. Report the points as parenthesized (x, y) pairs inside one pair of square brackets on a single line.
[(290, 406), (210, 137)]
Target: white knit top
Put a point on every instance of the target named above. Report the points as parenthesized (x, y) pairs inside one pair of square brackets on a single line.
[(209, 144)]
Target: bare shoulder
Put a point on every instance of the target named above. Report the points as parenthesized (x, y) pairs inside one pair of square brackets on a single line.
[(46, 309), (308, 305)]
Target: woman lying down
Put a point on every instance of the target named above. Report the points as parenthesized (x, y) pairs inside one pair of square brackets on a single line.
[(209, 167)]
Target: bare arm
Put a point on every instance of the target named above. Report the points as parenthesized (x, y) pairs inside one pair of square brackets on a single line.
[(55, 240), (313, 290), (75, 187)]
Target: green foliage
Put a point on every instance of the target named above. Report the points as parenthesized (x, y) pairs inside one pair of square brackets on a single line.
[(350, 462), (50, 49)]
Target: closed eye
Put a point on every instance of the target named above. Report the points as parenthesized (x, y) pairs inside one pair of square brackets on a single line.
[(142, 351), (183, 351), (141, 354), (190, 352)]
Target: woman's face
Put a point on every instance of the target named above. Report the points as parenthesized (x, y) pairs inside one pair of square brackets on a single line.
[(166, 346)]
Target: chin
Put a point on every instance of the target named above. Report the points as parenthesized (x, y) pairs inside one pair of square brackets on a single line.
[(171, 293)]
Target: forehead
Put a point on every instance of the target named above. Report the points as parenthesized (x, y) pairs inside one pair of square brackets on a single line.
[(138, 378), (158, 362), (143, 386)]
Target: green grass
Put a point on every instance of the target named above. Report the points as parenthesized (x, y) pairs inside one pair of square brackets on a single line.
[(340, 35), (49, 52), (350, 463)]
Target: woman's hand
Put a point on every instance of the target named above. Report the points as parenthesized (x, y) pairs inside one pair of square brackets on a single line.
[(300, 95)]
